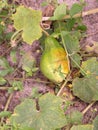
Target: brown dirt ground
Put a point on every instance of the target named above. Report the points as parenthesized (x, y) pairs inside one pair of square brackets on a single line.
[(92, 25)]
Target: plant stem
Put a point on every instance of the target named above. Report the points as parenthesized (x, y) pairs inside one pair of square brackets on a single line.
[(28, 79), (2, 16), (63, 42), (86, 13), (67, 52), (16, 35), (45, 32), (63, 85), (79, 66), (89, 55)]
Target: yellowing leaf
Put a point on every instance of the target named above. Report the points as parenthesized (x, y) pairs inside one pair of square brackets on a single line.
[(28, 21), (93, 48)]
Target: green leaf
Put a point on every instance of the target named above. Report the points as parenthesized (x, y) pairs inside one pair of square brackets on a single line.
[(25, 128), (75, 117), (82, 28), (95, 123), (5, 114), (28, 21), (59, 12), (70, 24), (71, 42), (59, 26), (82, 127), (1, 33), (8, 35), (16, 85), (86, 88), (49, 116), (2, 81), (4, 67), (76, 8), (90, 66), (77, 34), (75, 60)]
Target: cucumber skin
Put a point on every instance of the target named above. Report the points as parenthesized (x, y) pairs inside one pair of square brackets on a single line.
[(53, 58)]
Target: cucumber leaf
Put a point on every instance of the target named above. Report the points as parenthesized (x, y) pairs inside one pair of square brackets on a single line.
[(5, 114), (50, 116), (71, 42), (75, 60), (95, 123), (74, 117), (86, 88), (76, 8), (28, 20), (59, 12)]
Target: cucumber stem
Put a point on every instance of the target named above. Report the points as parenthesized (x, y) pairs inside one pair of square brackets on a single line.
[(64, 84), (45, 32)]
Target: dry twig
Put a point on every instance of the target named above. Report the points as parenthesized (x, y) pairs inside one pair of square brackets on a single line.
[(87, 108)]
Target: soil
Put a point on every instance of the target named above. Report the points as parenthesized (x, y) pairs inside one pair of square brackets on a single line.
[(91, 22)]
